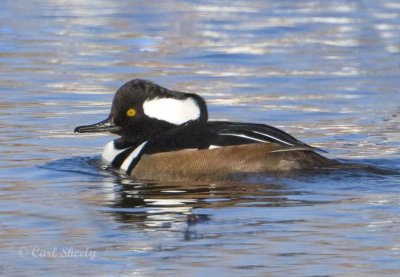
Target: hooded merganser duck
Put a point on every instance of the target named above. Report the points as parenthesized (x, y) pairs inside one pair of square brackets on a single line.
[(165, 135)]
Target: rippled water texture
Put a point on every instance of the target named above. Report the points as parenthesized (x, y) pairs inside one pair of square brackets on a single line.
[(325, 71)]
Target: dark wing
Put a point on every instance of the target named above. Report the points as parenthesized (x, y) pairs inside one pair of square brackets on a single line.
[(198, 135), (229, 133)]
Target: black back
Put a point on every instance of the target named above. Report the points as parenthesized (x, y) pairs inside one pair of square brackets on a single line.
[(202, 135)]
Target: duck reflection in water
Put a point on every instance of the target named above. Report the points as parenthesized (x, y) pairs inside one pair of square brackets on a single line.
[(171, 204)]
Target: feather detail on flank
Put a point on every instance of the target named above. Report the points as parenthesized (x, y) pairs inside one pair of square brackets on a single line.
[(214, 146), (293, 149), (243, 136), (272, 137), (175, 111), (248, 135)]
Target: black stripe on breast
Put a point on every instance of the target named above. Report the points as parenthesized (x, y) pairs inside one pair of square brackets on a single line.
[(136, 159), (121, 157)]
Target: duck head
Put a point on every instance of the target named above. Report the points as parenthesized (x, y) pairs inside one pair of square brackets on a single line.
[(142, 110)]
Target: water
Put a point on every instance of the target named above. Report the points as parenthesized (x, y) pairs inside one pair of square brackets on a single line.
[(325, 71)]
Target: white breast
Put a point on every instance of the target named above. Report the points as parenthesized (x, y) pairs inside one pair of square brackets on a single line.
[(110, 152), (175, 111)]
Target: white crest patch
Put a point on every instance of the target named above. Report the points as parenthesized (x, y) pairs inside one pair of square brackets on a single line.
[(175, 111), (110, 152)]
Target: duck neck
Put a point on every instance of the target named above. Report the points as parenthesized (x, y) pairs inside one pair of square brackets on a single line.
[(144, 130), (123, 143)]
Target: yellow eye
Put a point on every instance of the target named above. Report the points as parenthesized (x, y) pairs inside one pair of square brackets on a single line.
[(131, 112)]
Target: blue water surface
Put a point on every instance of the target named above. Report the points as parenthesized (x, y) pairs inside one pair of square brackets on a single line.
[(325, 71)]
